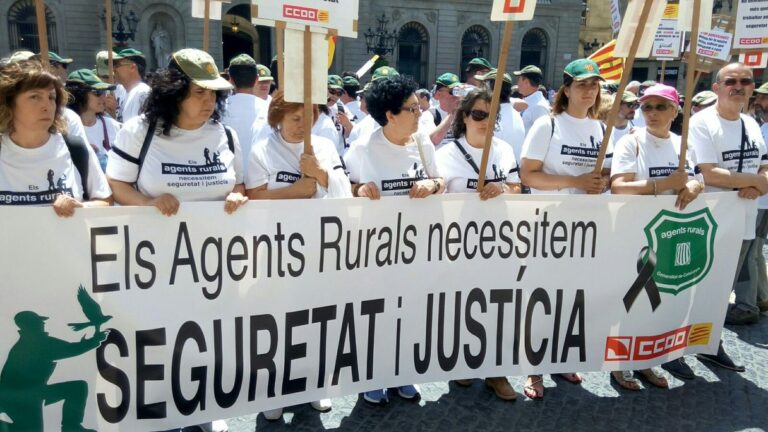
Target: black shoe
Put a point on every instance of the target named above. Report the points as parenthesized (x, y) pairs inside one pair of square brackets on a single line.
[(679, 369), (721, 359), (738, 316)]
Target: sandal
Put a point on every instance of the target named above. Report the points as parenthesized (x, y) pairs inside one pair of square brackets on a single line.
[(652, 377), (571, 377), (535, 389), (626, 379)]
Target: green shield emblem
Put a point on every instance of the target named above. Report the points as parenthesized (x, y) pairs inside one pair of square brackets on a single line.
[(684, 247)]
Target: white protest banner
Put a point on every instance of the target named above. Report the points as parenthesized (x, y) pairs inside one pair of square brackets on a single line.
[(630, 27), (751, 25), (214, 13), (513, 10), (615, 16), (668, 41), (715, 44), (339, 15), (294, 67), (685, 14), (754, 60), (213, 316)]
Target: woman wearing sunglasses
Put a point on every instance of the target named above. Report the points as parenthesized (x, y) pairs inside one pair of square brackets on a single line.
[(90, 103), (560, 152), (459, 163), (645, 162)]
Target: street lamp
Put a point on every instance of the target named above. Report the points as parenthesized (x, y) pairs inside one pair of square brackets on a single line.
[(589, 46), (380, 41), (124, 25)]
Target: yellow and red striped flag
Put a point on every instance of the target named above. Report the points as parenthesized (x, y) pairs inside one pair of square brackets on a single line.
[(331, 50), (611, 67)]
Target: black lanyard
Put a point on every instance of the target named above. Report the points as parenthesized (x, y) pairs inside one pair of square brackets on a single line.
[(744, 144), (467, 157)]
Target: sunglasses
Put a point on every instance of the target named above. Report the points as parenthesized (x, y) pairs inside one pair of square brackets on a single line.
[(632, 106), (336, 92), (99, 92), (657, 107), (730, 82), (413, 109), (478, 115)]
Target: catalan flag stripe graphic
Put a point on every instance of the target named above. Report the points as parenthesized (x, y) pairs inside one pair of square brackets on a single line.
[(611, 67)]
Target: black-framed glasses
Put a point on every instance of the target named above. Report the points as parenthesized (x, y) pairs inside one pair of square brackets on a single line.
[(478, 115), (632, 106), (730, 82), (336, 92), (413, 109), (657, 107)]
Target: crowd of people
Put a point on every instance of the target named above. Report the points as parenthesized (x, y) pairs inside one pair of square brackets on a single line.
[(73, 139)]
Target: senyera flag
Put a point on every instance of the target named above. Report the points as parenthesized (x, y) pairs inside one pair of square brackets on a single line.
[(512, 10), (754, 60), (611, 67), (331, 50)]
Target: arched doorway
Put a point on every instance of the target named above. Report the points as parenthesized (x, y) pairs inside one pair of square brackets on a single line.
[(534, 49), (237, 33), (412, 52), (476, 42), (22, 27)]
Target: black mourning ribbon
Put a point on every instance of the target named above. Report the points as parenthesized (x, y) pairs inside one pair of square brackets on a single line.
[(644, 280)]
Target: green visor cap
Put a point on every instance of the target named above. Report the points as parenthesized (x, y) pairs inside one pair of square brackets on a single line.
[(763, 89), (491, 76), (479, 63), (351, 81), (629, 97), (87, 77), (52, 56), (384, 72), (335, 82), (582, 69), (449, 80), (705, 97), (530, 69), (200, 68), (127, 52), (243, 60), (264, 73)]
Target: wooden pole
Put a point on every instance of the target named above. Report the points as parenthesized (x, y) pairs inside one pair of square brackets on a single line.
[(110, 56), (622, 85), (206, 24), (690, 83), (503, 53), (663, 70), (280, 45), (308, 120), (42, 31)]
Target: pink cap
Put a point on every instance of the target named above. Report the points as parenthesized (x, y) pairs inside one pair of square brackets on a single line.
[(663, 91)]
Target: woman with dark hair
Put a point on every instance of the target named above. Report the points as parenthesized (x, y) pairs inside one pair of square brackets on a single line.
[(396, 160), (560, 152), (39, 164), (89, 102)]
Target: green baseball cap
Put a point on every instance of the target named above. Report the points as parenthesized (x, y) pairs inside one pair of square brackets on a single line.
[(705, 97), (350, 81), (449, 80), (53, 57), (335, 82), (628, 97), (763, 89), (126, 53), (582, 69), (88, 77), (491, 76), (478, 63), (384, 72), (201, 69), (264, 73), (243, 60), (20, 56), (529, 70)]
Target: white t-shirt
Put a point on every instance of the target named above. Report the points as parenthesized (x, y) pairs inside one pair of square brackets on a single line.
[(648, 157), (326, 128), (74, 124), (394, 168), (460, 175), (130, 106), (354, 108), (618, 134), (426, 122), (362, 131), (95, 133), (715, 140), (36, 176), (192, 165), (510, 129), (242, 111), (275, 162), (571, 150), (537, 107)]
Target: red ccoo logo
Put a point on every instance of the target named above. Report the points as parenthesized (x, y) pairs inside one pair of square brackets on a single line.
[(299, 12), (514, 6), (626, 348), (618, 348)]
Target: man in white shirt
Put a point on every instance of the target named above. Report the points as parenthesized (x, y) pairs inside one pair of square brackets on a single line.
[(349, 98), (447, 103), (243, 107), (730, 152), (113, 96), (624, 119), (529, 79), (130, 66), (264, 83), (761, 113), (478, 66), (703, 99), (509, 127)]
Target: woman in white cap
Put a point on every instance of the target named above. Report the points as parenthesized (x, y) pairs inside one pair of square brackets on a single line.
[(560, 152), (646, 162)]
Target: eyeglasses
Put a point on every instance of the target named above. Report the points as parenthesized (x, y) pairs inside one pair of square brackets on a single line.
[(730, 82), (120, 64), (632, 106), (657, 107), (99, 92), (336, 92), (478, 115), (413, 109)]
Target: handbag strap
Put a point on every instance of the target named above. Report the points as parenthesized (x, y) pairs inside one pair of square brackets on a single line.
[(467, 157)]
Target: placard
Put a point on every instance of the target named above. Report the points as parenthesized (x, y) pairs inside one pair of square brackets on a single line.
[(685, 12), (339, 15), (754, 60), (294, 67), (668, 42), (512, 10), (629, 28), (751, 25)]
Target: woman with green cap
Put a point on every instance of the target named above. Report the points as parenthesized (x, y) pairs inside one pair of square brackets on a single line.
[(560, 152)]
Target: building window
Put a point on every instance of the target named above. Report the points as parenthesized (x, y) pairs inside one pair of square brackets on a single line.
[(22, 27), (476, 42), (412, 52), (534, 49)]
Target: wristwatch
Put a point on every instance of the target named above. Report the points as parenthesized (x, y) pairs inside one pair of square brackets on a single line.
[(437, 186)]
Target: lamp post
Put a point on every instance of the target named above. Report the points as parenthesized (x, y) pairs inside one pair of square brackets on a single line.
[(124, 25), (380, 41), (590, 46)]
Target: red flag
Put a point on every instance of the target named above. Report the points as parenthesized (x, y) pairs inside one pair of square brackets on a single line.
[(611, 67)]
